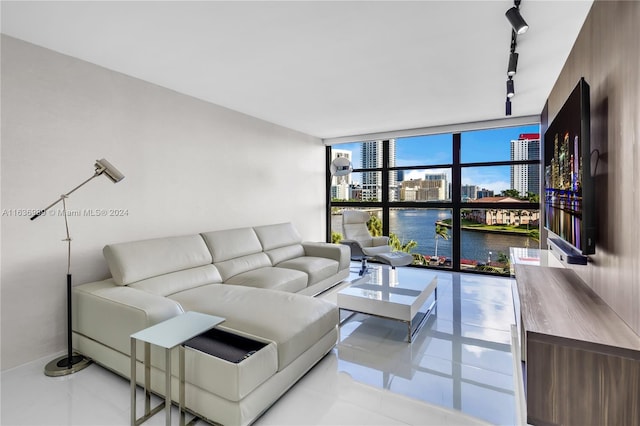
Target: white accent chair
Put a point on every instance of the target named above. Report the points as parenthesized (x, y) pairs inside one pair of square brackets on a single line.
[(364, 246)]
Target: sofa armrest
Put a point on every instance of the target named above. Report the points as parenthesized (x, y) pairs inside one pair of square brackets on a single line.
[(110, 313), (337, 252), (379, 241)]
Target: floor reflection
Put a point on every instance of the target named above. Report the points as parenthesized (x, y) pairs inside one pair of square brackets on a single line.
[(461, 359)]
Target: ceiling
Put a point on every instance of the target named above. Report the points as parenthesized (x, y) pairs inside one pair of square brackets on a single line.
[(325, 68)]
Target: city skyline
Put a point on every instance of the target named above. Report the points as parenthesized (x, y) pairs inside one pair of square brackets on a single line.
[(432, 150)]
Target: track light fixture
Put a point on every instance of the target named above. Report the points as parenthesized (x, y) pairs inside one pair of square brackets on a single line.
[(513, 56), (519, 27), (518, 23), (510, 89)]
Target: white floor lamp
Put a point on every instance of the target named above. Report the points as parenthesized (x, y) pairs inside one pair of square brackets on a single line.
[(71, 362)]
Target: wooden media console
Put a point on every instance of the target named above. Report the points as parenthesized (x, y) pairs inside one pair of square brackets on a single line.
[(582, 361)]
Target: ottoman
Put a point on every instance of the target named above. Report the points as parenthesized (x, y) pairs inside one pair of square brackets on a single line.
[(395, 258)]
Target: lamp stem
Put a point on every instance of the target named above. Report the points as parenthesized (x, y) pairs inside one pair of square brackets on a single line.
[(68, 239), (70, 363), (37, 215), (69, 339), (69, 279)]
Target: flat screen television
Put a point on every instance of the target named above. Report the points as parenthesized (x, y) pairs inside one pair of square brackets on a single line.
[(568, 184)]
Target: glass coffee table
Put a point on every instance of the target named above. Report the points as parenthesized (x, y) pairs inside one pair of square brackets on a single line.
[(396, 294)]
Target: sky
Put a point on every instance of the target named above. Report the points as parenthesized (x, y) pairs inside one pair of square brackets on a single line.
[(476, 146)]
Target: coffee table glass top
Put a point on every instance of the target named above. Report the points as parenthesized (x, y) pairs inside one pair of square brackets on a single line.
[(400, 294), (400, 285)]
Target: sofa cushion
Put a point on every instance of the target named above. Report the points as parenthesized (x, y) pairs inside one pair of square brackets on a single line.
[(278, 235), (164, 285), (232, 267), (273, 278), (285, 253), (139, 260), (293, 321), (317, 268), (232, 243)]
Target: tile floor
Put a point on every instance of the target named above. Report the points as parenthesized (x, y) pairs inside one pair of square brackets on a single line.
[(458, 371)]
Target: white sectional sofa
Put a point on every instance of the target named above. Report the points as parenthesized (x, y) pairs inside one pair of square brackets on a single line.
[(259, 279)]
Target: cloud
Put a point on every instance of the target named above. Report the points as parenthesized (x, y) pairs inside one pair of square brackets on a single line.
[(420, 174), (496, 178), (413, 174), (496, 186)]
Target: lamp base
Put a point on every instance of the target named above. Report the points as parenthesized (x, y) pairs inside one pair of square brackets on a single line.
[(62, 367)]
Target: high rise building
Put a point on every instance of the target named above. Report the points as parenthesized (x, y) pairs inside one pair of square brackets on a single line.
[(441, 181), (526, 177), (372, 181), (469, 192), (485, 193), (434, 187)]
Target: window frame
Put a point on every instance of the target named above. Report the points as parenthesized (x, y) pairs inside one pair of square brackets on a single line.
[(456, 204)]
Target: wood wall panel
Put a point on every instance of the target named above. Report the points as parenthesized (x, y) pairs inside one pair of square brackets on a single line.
[(607, 54)]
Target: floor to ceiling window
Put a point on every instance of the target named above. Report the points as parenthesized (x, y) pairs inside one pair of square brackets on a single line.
[(456, 201)]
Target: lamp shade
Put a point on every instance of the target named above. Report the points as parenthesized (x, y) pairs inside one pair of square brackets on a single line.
[(109, 170), (510, 89), (340, 166), (513, 64), (516, 20)]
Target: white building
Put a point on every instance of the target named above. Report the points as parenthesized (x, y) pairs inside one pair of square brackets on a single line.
[(526, 177), (372, 181)]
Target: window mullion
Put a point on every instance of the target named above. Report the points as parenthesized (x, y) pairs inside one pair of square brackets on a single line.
[(385, 187), (456, 185)]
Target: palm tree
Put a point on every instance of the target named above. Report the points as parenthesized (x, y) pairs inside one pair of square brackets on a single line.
[(533, 197), (399, 245), (336, 237), (441, 232), (503, 258), (375, 226), (513, 193)]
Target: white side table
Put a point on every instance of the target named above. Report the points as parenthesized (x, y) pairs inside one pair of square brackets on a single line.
[(167, 334)]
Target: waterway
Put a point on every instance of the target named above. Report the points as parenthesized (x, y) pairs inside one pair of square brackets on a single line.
[(419, 225)]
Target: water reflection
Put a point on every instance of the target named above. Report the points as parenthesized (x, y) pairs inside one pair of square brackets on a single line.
[(564, 217)]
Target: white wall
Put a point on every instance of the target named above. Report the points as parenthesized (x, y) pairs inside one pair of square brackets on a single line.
[(190, 166)]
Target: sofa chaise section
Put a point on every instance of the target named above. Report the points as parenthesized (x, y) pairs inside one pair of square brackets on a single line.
[(294, 322)]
